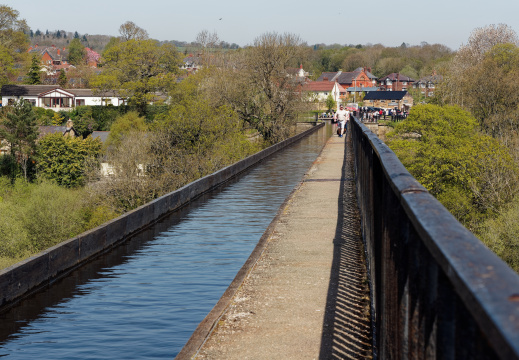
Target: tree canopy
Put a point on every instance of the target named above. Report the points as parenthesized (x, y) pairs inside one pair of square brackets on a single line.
[(471, 173), (140, 70)]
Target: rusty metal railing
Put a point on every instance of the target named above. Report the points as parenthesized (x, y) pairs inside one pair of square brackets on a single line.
[(437, 291)]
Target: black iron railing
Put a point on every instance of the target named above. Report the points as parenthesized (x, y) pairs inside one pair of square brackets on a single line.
[(437, 291)]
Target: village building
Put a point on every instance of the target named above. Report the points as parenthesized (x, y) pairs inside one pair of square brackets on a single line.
[(395, 82), (56, 98), (427, 85), (389, 100), (318, 92)]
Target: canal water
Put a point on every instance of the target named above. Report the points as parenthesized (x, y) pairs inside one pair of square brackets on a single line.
[(144, 299)]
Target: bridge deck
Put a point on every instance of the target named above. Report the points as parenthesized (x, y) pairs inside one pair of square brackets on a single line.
[(307, 295)]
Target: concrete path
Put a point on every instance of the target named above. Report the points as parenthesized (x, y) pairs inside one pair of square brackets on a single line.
[(306, 296)]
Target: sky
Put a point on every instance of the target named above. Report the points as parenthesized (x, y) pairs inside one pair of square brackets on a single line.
[(390, 23)]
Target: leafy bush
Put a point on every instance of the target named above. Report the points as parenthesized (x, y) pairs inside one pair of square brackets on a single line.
[(472, 174), (62, 159)]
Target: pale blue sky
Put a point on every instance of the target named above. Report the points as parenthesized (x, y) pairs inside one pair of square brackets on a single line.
[(390, 23)]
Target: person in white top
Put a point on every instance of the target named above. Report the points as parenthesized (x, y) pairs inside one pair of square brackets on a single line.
[(343, 116)]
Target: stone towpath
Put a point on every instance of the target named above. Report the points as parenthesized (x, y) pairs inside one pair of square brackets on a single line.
[(305, 295)]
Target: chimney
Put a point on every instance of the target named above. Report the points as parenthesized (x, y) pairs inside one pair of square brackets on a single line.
[(58, 52), (325, 78), (301, 67)]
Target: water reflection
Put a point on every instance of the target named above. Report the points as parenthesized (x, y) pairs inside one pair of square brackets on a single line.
[(144, 298)]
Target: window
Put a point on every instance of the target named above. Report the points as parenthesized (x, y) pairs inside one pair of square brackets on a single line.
[(431, 86), (431, 93), (404, 82), (80, 102), (422, 85)]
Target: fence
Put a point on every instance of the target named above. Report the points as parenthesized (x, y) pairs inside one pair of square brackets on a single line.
[(437, 291)]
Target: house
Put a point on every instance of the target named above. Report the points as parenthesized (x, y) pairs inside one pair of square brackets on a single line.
[(427, 84), (353, 79), (389, 99), (56, 98), (395, 82), (298, 72), (67, 131), (320, 90)]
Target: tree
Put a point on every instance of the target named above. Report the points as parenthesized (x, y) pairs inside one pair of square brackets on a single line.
[(34, 74), (77, 52), (459, 71), (138, 70), (20, 130), (123, 125), (130, 31), (13, 43), (256, 84), (330, 103), (63, 159), (62, 79), (471, 173), (76, 35)]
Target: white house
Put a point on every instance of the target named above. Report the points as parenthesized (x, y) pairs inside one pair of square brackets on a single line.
[(320, 90), (56, 98)]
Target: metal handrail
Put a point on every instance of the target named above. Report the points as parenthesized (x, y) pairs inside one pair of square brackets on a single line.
[(437, 291)]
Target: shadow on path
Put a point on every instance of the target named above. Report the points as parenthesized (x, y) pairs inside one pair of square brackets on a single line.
[(347, 324)]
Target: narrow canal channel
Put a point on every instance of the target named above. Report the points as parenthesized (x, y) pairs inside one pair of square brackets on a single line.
[(145, 298)]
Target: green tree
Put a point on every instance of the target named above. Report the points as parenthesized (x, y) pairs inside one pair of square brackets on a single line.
[(20, 130), (63, 159), (13, 43), (123, 125), (77, 52), (138, 70), (62, 79), (34, 74), (471, 173), (330, 103)]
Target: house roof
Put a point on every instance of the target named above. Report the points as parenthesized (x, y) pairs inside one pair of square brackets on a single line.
[(364, 89), (319, 86), (385, 95), (45, 130), (329, 75), (431, 78), (101, 135), (397, 77), (36, 90), (347, 77), (370, 75), (26, 90)]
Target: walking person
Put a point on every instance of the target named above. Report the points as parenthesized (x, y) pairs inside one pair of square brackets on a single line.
[(343, 116)]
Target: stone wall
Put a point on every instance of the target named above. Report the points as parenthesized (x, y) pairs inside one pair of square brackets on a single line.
[(41, 269)]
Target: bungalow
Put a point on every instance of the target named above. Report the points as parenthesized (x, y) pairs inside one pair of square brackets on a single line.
[(389, 99), (56, 98)]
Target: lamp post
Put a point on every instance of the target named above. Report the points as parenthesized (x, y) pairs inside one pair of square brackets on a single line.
[(355, 91)]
